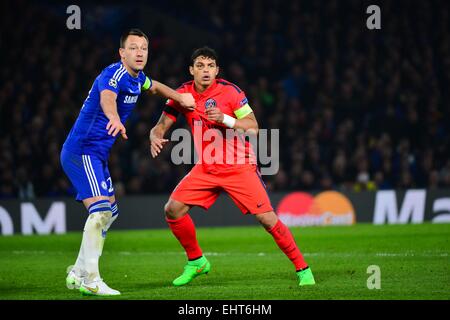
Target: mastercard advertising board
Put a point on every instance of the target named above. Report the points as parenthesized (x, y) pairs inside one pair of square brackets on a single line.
[(325, 208)]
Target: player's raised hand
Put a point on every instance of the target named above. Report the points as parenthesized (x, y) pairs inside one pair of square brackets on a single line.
[(187, 101), (115, 126), (156, 145), (214, 114)]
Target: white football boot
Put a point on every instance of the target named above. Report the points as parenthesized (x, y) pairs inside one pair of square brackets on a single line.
[(74, 279), (97, 288)]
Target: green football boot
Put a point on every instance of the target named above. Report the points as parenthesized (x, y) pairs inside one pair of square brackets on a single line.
[(305, 277), (192, 270)]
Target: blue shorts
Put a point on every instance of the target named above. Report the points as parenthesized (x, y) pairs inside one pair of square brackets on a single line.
[(88, 174)]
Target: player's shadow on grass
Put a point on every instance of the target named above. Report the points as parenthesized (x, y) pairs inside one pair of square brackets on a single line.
[(330, 276)]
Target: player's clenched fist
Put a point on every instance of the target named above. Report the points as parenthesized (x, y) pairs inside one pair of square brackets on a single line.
[(187, 101), (214, 114), (115, 126), (156, 145)]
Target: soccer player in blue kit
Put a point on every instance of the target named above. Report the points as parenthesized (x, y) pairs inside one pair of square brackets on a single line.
[(85, 152)]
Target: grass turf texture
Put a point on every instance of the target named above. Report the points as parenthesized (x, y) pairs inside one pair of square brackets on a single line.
[(246, 264)]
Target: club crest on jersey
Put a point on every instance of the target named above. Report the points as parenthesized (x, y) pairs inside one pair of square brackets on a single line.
[(210, 103), (113, 83)]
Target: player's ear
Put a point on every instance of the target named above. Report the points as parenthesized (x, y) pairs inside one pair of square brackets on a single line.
[(191, 70), (217, 70), (122, 52)]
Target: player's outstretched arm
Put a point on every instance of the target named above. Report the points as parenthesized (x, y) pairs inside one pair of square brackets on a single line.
[(109, 107), (157, 133), (185, 100)]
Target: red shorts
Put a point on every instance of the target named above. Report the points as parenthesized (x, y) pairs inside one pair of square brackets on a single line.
[(245, 187)]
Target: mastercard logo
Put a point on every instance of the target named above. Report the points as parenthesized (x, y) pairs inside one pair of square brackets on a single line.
[(326, 208)]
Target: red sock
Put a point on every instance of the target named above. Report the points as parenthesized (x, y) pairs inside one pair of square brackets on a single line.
[(184, 230), (284, 239)]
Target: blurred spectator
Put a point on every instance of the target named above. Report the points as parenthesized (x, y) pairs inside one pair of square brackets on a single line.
[(357, 109)]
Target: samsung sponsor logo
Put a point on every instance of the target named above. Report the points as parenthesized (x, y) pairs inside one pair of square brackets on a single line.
[(130, 99)]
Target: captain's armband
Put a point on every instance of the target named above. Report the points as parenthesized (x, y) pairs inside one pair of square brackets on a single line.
[(243, 111)]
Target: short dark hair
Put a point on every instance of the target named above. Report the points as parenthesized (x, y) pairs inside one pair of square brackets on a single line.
[(131, 32), (205, 52)]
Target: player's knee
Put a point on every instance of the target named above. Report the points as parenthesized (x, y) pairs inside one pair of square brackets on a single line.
[(174, 210), (170, 210), (268, 220)]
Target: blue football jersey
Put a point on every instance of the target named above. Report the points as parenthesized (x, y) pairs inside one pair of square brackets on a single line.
[(89, 135)]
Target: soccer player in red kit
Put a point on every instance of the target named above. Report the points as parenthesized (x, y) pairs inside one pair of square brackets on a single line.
[(220, 105)]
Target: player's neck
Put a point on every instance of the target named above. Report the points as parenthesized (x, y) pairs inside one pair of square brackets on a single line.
[(133, 73), (200, 89)]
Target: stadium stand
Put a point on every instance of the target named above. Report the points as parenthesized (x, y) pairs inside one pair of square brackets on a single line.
[(357, 109)]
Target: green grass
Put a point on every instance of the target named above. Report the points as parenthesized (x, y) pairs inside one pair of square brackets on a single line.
[(246, 264)]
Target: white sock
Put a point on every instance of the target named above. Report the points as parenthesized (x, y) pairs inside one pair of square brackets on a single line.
[(93, 241), (115, 214), (80, 267), (111, 220)]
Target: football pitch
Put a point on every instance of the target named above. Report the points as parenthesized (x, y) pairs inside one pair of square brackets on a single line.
[(413, 260)]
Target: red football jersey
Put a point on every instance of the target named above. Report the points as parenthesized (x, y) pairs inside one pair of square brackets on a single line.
[(237, 152)]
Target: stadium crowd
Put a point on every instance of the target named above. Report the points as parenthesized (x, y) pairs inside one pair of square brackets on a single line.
[(357, 109)]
